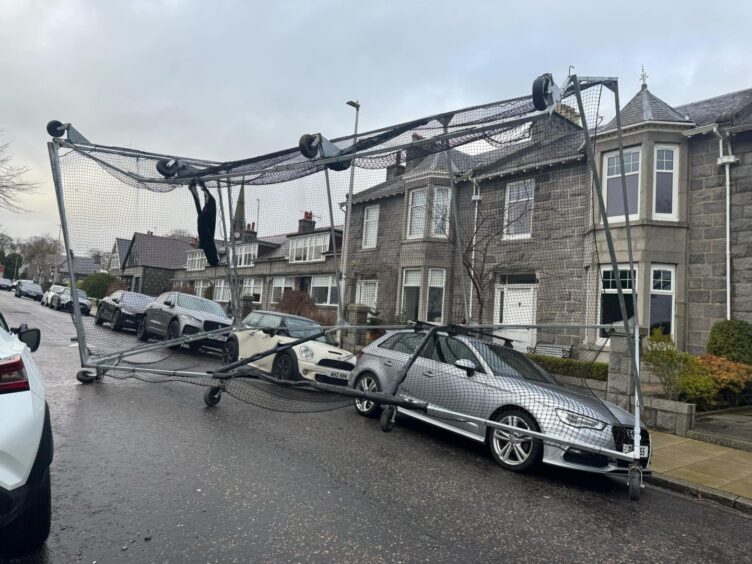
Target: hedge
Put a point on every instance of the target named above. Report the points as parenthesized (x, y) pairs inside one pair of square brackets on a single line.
[(731, 339), (572, 367)]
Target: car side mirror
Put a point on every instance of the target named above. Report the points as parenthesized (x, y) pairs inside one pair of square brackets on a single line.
[(30, 337), (466, 365)]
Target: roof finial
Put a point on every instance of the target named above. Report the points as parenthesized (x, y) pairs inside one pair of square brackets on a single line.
[(643, 77)]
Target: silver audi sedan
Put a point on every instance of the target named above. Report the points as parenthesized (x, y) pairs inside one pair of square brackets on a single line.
[(487, 380)]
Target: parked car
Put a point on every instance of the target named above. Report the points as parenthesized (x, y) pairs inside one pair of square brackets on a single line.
[(64, 300), (47, 296), (174, 314), (29, 289), (122, 309), (494, 382), (25, 443), (6, 284), (320, 359)]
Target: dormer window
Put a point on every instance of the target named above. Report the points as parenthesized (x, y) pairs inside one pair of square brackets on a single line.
[(196, 260), (246, 254), (666, 183), (310, 248)]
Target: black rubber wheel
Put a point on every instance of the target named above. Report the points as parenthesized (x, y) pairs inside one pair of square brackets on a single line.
[(116, 320), (285, 367), (230, 351), (511, 450), (306, 146), (85, 377), (212, 396), (634, 481), (339, 166), (30, 529), (173, 332), (56, 128), (98, 317), (387, 419), (141, 333), (541, 97), (367, 382), (167, 167)]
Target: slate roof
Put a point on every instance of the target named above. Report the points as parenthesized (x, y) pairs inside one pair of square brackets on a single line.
[(647, 107), (720, 108), (81, 265), (157, 251)]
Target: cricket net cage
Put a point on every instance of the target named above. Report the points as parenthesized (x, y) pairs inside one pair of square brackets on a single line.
[(461, 260)]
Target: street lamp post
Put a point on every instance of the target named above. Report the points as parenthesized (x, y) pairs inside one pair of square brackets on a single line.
[(348, 213)]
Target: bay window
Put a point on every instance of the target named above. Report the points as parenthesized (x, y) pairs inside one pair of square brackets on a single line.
[(666, 183), (416, 214), (613, 186), (662, 298), (440, 212), (411, 293), (610, 310), (435, 308)]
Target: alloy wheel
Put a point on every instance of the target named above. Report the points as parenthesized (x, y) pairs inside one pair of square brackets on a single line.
[(512, 448), (366, 383)]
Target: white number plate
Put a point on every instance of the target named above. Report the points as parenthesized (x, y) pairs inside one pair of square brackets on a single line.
[(644, 451), (340, 375), (220, 338)]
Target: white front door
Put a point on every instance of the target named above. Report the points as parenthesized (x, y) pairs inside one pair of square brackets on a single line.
[(514, 304)]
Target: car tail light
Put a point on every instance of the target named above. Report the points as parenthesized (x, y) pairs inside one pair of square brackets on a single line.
[(13, 375)]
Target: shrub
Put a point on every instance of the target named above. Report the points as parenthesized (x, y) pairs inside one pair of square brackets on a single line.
[(731, 339), (731, 378), (572, 367), (300, 303), (115, 286), (96, 285), (696, 386), (667, 363)]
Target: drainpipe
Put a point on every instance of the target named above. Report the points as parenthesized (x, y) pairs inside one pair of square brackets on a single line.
[(727, 161)]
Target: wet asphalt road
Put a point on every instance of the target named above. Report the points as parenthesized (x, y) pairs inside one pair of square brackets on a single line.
[(143, 472)]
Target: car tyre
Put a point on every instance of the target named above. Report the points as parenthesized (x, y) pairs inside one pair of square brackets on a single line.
[(508, 449), (367, 382), (285, 367), (141, 333), (98, 317), (173, 332), (31, 528), (117, 320), (230, 351)]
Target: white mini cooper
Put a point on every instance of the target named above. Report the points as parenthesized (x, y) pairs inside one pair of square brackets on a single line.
[(319, 359)]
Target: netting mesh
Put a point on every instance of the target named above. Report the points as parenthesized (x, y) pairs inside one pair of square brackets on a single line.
[(482, 221)]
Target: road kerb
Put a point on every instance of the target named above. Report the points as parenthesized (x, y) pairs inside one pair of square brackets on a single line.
[(702, 492)]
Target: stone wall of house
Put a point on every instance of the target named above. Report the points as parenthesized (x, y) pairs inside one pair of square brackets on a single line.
[(707, 237)]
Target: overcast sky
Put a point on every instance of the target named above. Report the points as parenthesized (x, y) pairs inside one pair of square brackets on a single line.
[(226, 80)]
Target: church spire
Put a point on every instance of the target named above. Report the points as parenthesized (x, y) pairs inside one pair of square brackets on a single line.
[(238, 221)]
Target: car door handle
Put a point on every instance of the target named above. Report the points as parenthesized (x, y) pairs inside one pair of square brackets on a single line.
[(387, 363), (428, 373)]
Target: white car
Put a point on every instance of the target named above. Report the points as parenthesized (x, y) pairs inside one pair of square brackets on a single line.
[(319, 359), (25, 443), (47, 296)]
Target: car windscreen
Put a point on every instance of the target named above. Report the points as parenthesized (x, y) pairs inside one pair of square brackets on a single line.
[(200, 304), (139, 301), (81, 294), (504, 361), (301, 328), (32, 286), (4, 281)]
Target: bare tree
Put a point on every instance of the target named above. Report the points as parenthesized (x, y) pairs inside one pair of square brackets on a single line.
[(40, 254), (180, 234), (11, 183)]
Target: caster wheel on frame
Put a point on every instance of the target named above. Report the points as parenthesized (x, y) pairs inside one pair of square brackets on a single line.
[(212, 396), (85, 377), (388, 418), (634, 481)]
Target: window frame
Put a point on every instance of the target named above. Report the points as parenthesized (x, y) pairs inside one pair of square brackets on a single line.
[(443, 293), (403, 286), (359, 291), (366, 221), (308, 245), (194, 258), (411, 207), (285, 280), (257, 283), (605, 178), (672, 269), (223, 288), (600, 340), (506, 236), (674, 215), (241, 254), (445, 233), (331, 288)]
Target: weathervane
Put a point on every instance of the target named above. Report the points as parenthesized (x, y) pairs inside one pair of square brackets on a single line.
[(643, 76)]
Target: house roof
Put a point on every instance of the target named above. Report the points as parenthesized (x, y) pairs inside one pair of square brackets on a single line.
[(727, 107), (644, 107), (81, 265), (157, 251)]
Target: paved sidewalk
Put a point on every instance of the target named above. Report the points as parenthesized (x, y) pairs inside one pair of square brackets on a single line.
[(697, 463)]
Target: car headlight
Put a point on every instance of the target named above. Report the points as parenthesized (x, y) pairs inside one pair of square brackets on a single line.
[(305, 353), (579, 421), (189, 319)]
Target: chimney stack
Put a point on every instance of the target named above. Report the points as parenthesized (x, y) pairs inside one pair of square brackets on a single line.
[(249, 233), (306, 225)]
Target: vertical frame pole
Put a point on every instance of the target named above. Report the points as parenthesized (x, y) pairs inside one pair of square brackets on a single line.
[(334, 246), (348, 215), (232, 265), (52, 149)]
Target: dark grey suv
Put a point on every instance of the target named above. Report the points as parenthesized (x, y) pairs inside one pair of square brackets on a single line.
[(174, 314)]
